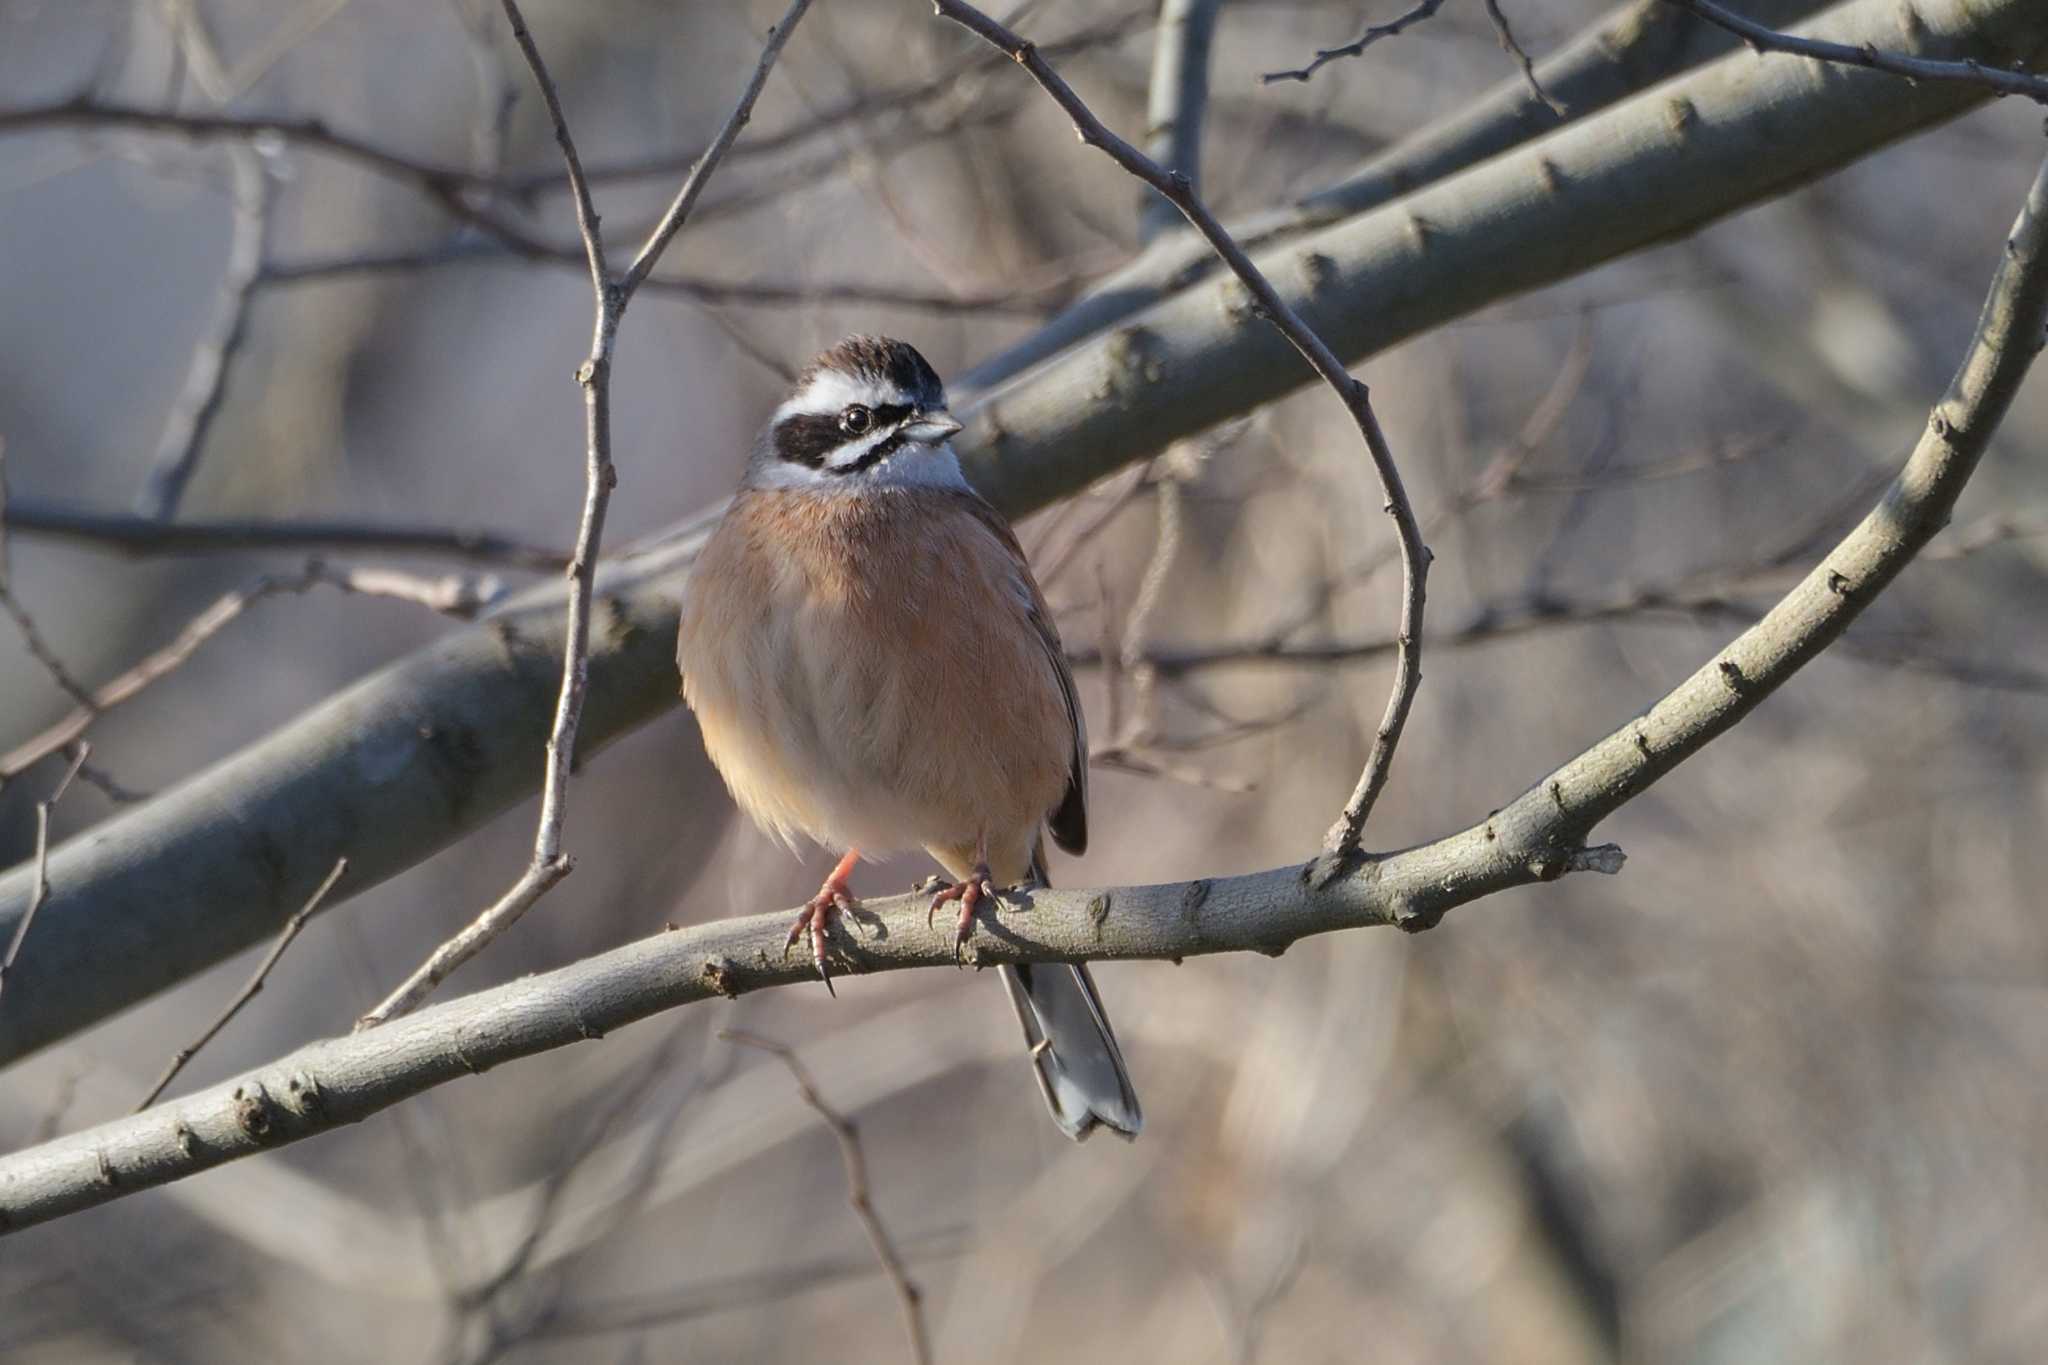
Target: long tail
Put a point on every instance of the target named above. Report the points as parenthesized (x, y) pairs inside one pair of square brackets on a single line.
[(1080, 1068)]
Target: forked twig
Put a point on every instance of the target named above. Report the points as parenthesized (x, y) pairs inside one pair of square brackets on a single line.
[(40, 891)]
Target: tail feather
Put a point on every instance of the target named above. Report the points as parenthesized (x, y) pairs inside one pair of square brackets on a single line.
[(1080, 1068)]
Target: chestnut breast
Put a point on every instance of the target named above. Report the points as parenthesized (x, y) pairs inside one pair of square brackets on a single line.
[(866, 671)]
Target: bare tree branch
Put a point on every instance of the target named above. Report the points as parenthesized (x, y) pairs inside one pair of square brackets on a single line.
[(31, 635), (1508, 45), (856, 1162), (1867, 55), (146, 536), (1029, 301), (453, 595), (250, 989), (1539, 836), (549, 864), (1393, 28), (191, 418), (1176, 102), (188, 886), (1622, 54), (1344, 836), (41, 866)]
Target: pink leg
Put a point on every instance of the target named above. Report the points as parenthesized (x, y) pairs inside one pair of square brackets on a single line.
[(833, 897), (969, 893)]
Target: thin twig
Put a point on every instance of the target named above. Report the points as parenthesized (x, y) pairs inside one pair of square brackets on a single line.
[(39, 648), (1373, 33), (1971, 71), (549, 864), (907, 1292), (700, 173), (250, 990), (1514, 49), (455, 595), (145, 536), (31, 635), (1031, 300), (41, 883), (1344, 835), (183, 441)]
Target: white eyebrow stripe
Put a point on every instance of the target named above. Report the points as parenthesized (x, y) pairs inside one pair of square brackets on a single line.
[(831, 391)]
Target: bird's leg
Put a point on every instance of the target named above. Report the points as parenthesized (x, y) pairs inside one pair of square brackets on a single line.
[(833, 897), (969, 893)]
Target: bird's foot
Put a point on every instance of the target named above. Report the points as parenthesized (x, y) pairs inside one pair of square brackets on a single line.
[(816, 917), (970, 893)]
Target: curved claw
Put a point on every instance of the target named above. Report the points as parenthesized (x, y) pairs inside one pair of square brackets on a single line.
[(816, 917), (970, 894)]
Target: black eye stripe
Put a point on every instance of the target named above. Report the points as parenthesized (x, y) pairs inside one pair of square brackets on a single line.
[(807, 439)]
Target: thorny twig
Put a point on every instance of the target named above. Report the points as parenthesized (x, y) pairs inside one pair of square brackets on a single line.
[(907, 1292), (250, 989), (549, 864), (1343, 837), (41, 884)]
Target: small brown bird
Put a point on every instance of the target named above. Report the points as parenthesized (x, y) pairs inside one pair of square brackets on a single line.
[(873, 667)]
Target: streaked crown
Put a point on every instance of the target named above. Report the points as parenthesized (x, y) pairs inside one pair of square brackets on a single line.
[(869, 411)]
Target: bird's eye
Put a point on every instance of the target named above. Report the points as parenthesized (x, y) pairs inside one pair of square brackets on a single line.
[(856, 420)]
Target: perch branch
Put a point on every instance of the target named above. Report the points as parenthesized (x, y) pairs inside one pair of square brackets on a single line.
[(420, 753)]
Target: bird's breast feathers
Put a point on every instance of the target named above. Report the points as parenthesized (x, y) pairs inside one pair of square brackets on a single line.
[(872, 670)]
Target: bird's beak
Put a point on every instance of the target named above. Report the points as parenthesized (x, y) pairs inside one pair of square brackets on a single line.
[(932, 428)]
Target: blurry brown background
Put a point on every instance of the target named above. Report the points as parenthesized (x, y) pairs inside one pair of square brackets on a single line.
[(1773, 1093)]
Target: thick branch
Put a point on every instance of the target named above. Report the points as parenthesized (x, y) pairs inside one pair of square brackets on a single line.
[(1539, 836), (1658, 166), (1622, 54), (428, 749)]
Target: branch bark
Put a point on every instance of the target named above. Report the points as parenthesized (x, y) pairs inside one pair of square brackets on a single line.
[(419, 754)]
